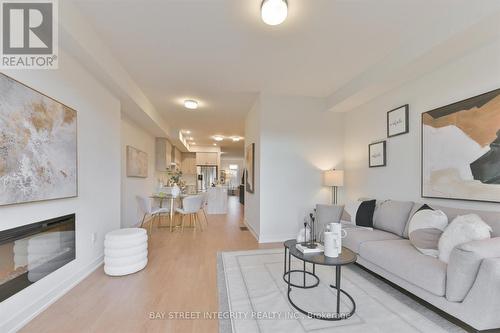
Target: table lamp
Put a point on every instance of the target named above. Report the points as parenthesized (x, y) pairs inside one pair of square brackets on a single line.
[(334, 179)]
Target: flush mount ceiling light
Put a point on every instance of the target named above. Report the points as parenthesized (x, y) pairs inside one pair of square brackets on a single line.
[(190, 104), (236, 139), (218, 137), (274, 12)]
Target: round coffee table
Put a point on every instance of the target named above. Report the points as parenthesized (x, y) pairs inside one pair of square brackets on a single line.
[(345, 258)]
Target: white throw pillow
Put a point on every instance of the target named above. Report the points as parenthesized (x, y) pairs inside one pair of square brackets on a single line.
[(462, 230), (425, 229)]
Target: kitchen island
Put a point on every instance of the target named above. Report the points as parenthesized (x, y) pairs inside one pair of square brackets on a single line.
[(217, 200)]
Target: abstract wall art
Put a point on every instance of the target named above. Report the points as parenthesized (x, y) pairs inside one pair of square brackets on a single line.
[(250, 168), (461, 150), (137, 163), (38, 145)]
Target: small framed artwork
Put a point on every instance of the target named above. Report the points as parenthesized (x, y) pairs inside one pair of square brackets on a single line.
[(377, 154), (397, 121)]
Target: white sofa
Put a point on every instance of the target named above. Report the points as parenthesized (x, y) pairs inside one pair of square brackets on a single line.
[(467, 288)]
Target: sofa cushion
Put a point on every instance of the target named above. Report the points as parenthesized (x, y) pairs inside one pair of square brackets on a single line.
[(360, 213), (391, 216), (327, 214), (462, 229), (401, 259), (356, 236), (464, 265), (490, 217), (425, 228)]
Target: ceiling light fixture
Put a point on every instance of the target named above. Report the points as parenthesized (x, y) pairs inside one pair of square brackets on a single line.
[(215, 144), (274, 12), (218, 137), (236, 139), (187, 131), (190, 104)]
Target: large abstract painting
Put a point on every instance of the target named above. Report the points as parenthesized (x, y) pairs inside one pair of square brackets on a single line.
[(137, 163), (461, 150), (250, 168), (38, 145)]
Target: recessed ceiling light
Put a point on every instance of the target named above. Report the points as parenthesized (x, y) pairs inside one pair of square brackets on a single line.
[(190, 104), (274, 12), (218, 137), (215, 144), (236, 139), (187, 131)]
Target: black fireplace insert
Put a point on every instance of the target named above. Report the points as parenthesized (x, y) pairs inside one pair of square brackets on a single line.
[(31, 252)]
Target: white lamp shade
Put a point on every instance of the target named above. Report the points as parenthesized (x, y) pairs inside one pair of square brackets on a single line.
[(333, 178)]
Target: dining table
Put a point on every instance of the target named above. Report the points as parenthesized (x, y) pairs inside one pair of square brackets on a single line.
[(162, 197)]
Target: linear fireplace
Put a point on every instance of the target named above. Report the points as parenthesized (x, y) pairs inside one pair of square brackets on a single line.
[(31, 252)]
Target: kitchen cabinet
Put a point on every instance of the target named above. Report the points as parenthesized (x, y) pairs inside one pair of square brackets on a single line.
[(163, 151), (177, 158), (188, 164), (207, 158)]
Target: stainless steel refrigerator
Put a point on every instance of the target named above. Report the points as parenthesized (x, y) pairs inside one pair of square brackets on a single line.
[(206, 176)]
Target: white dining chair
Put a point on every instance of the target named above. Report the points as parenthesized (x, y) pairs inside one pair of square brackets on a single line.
[(147, 208), (191, 205), (204, 205)]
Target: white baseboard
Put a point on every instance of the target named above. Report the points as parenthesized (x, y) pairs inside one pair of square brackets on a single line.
[(254, 234), (276, 238), (34, 309)]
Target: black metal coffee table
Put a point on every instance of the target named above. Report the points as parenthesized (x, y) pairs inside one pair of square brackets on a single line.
[(345, 258)]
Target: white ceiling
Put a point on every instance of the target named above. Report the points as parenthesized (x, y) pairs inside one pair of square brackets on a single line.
[(220, 53)]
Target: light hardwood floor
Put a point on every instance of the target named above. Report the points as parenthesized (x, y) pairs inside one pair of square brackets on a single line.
[(180, 276)]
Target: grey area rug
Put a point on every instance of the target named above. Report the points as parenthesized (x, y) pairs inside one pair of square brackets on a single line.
[(252, 295)]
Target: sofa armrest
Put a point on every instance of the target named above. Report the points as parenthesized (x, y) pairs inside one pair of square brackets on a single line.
[(464, 264), (482, 304)]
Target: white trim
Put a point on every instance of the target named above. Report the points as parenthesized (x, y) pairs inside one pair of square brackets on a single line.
[(34, 309), (276, 238), (254, 234)]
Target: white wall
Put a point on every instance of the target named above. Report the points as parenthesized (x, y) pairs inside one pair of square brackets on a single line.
[(135, 136), (97, 206), (252, 200), (473, 74), (297, 140)]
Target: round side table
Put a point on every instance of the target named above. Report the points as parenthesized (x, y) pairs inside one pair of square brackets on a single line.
[(345, 258)]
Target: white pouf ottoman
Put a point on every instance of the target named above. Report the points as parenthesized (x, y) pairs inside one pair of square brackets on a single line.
[(125, 251)]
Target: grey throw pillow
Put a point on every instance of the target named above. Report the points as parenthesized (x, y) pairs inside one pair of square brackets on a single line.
[(327, 214), (392, 216)]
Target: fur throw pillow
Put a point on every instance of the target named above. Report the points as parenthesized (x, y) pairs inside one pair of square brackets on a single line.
[(462, 229)]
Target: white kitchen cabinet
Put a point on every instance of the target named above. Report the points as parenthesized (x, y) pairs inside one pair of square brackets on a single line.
[(163, 150), (207, 158), (188, 165), (177, 157)]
